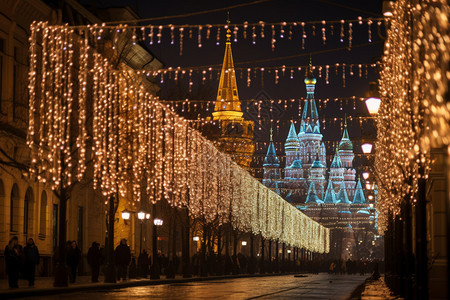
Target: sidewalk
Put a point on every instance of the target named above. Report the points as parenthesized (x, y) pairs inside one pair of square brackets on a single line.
[(374, 290), (44, 285)]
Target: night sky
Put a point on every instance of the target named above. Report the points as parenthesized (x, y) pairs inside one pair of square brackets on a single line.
[(244, 51)]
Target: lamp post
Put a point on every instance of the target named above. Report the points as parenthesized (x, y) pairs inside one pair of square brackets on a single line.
[(141, 216), (154, 269)]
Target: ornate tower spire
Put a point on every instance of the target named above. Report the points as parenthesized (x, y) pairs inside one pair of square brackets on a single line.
[(271, 159), (231, 133), (310, 116), (228, 106)]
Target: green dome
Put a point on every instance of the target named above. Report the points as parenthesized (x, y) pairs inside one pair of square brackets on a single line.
[(346, 145)]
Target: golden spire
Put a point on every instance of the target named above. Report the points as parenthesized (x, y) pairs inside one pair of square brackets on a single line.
[(227, 105)]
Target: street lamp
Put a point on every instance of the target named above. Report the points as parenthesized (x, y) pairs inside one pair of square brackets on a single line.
[(154, 269), (387, 8), (196, 239), (373, 104), (365, 175), (244, 243), (142, 215), (366, 148), (126, 215), (373, 98)]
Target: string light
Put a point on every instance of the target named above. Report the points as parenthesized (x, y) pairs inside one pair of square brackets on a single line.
[(411, 119), (141, 148)]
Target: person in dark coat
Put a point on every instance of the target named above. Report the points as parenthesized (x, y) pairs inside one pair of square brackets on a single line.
[(13, 262), (31, 253), (122, 258), (94, 258), (73, 258)]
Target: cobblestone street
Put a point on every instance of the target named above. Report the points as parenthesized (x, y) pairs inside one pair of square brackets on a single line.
[(321, 286)]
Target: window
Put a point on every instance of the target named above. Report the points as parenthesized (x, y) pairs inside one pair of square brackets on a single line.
[(14, 209), (43, 216), (28, 211)]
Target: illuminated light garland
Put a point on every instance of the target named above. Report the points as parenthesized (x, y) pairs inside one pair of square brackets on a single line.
[(290, 72), (413, 115), (277, 29), (141, 148)]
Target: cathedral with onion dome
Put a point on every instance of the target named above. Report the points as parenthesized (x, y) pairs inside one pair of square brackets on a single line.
[(332, 195)]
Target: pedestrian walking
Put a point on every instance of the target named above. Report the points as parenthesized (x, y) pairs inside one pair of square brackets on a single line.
[(122, 258), (13, 262), (32, 257), (73, 258), (94, 258)]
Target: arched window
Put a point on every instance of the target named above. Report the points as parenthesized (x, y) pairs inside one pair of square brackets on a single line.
[(14, 209), (43, 215), (28, 211)]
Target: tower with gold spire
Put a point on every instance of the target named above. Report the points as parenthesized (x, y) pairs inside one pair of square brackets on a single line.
[(231, 133)]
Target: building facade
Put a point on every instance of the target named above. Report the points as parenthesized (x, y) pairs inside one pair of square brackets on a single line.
[(330, 195), (29, 209)]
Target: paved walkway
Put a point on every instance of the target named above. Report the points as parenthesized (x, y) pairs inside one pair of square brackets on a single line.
[(309, 286), (377, 290)]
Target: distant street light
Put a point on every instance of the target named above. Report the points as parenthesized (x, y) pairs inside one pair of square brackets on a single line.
[(387, 8), (196, 239), (141, 215), (365, 175), (366, 148), (244, 243), (126, 215), (158, 222), (373, 98), (373, 104)]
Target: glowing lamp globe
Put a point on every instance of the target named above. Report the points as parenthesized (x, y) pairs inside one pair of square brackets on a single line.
[(196, 239), (147, 216), (141, 215), (366, 148), (365, 175), (158, 222), (244, 243), (289, 251), (387, 8), (373, 104), (126, 214)]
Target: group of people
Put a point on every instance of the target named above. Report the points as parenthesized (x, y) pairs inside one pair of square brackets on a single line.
[(21, 259), (24, 260)]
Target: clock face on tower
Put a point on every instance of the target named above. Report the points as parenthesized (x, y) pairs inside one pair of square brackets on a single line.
[(234, 129)]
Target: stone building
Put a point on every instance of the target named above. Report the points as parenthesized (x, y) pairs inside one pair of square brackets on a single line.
[(28, 208)]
